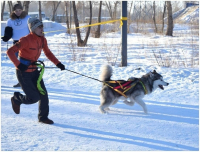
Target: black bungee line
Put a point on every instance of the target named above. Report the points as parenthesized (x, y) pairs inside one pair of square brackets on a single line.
[(76, 73)]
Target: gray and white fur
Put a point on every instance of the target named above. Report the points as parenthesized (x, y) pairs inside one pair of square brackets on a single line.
[(108, 96)]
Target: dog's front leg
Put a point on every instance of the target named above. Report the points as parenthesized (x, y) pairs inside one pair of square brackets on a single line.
[(141, 103), (101, 108)]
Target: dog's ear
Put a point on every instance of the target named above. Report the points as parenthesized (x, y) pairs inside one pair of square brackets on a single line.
[(154, 71), (151, 74)]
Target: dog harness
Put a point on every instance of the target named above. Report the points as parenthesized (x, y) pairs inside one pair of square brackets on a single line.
[(122, 86)]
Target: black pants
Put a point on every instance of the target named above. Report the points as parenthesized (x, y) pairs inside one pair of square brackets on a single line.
[(28, 82)]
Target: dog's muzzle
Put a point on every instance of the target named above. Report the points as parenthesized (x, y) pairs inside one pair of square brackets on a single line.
[(161, 86)]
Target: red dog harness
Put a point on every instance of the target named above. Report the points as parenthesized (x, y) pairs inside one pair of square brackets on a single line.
[(122, 86)]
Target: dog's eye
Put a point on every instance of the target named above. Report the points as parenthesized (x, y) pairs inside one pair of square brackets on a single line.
[(159, 79)]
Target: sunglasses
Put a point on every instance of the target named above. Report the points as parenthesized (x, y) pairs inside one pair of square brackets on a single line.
[(41, 26)]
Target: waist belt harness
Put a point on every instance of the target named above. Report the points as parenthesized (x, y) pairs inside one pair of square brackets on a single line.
[(25, 61)]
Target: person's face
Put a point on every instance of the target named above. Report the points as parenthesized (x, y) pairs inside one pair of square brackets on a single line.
[(39, 31), (18, 12)]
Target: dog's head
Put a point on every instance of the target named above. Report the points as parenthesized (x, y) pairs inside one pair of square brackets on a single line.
[(158, 81)]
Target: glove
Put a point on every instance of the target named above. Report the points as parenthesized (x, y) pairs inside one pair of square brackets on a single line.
[(7, 34), (5, 38), (61, 66), (22, 67)]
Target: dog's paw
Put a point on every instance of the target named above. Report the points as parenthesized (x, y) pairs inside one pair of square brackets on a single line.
[(145, 111), (107, 109), (102, 110)]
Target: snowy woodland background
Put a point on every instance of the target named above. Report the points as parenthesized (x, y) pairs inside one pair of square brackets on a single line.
[(172, 122)]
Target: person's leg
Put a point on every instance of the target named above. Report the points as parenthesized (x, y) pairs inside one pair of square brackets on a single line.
[(31, 93), (43, 104), (28, 81)]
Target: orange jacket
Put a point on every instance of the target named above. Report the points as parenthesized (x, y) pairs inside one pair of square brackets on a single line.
[(30, 48)]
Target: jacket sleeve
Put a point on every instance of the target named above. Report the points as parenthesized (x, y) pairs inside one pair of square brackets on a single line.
[(23, 43), (49, 54)]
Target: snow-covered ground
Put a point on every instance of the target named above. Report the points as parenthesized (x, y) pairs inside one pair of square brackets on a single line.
[(187, 15), (172, 122)]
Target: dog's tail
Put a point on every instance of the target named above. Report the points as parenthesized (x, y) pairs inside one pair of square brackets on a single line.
[(106, 73)]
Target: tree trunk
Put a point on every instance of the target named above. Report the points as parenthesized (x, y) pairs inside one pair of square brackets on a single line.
[(40, 16), (55, 7), (154, 16), (170, 19), (80, 42), (109, 9), (97, 33), (88, 31), (164, 10), (70, 14), (67, 19), (113, 13), (10, 6), (2, 10), (53, 15), (129, 18), (76, 22), (26, 4)]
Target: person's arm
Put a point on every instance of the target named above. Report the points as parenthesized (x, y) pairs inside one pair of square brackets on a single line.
[(23, 43), (7, 34), (51, 56)]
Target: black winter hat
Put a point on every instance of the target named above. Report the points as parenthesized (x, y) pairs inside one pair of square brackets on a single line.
[(17, 6)]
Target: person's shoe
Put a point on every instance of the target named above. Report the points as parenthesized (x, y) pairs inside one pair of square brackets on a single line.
[(47, 121), (16, 108), (17, 85)]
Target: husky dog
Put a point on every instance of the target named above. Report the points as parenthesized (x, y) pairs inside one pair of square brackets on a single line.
[(150, 82)]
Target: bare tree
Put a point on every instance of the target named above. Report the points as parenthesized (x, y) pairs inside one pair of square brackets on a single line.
[(163, 16), (40, 16), (97, 33), (170, 19), (129, 17), (154, 16), (70, 14), (10, 6), (26, 6), (112, 11), (55, 7), (2, 10), (80, 41), (66, 14)]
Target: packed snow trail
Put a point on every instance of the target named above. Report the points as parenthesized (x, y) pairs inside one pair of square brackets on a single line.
[(80, 126)]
